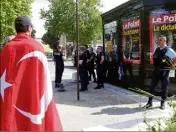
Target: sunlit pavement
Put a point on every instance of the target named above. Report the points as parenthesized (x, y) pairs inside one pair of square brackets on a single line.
[(108, 109)]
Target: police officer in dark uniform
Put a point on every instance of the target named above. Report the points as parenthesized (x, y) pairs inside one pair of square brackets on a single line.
[(91, 60), (59, 68), (161, 58), (100, 62), (83, 70), (87, 55)]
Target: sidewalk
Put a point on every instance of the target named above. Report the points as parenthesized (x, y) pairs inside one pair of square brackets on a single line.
[(108, 109)]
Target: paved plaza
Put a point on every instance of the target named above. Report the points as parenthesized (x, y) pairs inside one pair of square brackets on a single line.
[(108, 109)]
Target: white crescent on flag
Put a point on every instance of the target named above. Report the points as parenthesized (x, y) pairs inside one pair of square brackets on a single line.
[(48, 93)]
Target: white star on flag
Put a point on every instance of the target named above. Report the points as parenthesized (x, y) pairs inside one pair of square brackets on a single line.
[(4, 85)]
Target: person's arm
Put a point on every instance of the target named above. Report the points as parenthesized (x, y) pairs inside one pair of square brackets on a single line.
[(92, 57), (171, 53), (81, 60), (102, 58), (154, 49), (62, 56), (124, 57)]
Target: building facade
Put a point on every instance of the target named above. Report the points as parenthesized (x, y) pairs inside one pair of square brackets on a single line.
[(130, 35)]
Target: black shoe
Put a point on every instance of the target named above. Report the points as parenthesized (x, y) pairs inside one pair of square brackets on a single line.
[(81, 90), (102, 86), (162, 106), (56, 85), (61, 85), (148, 105), (61, 90), (86, 89), (98, 87)]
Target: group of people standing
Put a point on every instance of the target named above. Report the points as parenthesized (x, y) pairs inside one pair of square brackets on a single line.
[(88, 61)]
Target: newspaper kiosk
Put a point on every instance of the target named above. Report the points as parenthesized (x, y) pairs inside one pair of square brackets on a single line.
[(130, 34)]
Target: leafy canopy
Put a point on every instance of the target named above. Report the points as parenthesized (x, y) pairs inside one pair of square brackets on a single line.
[(9, 10), (61, 19)]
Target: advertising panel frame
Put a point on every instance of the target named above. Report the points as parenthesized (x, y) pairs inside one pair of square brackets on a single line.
[(134, 28)]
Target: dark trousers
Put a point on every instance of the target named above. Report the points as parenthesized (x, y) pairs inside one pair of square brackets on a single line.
[(91, 73), (162, 76), (58, 74), (100, 75), (84, 79), (128, 67)]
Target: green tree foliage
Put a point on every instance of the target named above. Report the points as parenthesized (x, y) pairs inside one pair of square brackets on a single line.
[(9, 10), (33, 33), (51, 40), (61, 18)]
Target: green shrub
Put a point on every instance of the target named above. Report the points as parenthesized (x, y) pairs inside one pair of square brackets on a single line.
[(162, 124)]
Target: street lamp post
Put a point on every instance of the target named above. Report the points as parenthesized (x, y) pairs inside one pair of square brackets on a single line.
[(77, 44)]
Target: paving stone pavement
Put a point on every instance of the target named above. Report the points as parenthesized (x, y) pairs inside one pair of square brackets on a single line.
[(108, 109)]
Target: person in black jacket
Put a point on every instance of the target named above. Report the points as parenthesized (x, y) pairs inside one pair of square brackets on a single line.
[(100, 62), (87, 55), (83, 70), (59, 68), (91, 60)]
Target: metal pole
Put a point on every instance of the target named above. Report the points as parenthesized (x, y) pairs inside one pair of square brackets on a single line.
[(77, 52)]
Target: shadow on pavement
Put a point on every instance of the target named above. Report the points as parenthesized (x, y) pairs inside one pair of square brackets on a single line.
[(119, 111), (129, 123), (91, 98)]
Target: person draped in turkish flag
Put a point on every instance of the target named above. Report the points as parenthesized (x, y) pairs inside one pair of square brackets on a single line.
[(26, 96)]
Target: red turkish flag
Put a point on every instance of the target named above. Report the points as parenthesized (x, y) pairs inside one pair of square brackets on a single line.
[(26, 96)]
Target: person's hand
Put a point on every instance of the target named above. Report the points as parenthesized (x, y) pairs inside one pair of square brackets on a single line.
[(174, 59), (8, 39), (173, 62)]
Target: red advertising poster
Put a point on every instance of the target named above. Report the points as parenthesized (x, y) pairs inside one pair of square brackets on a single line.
[(162, 22), (131, 41)]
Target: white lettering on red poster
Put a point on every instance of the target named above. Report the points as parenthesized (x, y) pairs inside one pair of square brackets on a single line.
[(131, 24), (170, 18)]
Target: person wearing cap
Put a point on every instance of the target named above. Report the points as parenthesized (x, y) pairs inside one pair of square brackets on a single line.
[(162, 57), (26, 95)]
